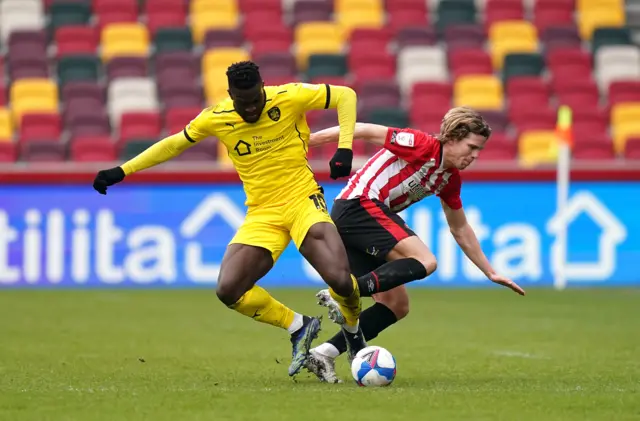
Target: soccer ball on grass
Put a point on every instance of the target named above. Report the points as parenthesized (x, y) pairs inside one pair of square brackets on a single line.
[(373, 366)]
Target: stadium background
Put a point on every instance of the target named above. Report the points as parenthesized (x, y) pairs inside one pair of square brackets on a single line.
[(87, 84)]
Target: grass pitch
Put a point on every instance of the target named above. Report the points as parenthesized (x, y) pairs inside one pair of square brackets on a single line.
[(181, 355)]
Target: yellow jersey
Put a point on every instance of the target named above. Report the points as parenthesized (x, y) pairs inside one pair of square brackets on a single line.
[(269, 155)]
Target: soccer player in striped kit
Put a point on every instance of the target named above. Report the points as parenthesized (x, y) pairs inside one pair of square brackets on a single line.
[(384, 253)]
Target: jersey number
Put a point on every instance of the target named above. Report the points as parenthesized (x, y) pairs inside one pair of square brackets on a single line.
[(318, 200)]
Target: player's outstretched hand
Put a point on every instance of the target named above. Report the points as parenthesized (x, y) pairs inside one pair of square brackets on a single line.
[(501, 280), (106, 178), (340, 164)]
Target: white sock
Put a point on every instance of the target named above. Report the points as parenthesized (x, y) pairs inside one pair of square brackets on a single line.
[(296, 324), (327, 349), (351, 329)]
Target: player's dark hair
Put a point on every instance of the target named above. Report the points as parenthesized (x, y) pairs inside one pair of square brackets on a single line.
[(459, 122), (243, 75)]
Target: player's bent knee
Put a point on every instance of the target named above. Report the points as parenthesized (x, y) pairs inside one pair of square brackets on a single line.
[(430, 264), (339, 279), (396, 300), (227, 293)]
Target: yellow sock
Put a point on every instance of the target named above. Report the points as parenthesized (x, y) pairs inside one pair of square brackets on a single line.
[(349, 306), (258, 304)]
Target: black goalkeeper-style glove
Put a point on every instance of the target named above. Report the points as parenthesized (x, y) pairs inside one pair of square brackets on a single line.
[(107, 178), (340, 164)]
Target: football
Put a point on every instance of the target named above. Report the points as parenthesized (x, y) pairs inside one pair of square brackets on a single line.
[(373, 366)]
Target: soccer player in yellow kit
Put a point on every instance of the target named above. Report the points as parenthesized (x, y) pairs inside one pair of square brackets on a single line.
[(266, 134)]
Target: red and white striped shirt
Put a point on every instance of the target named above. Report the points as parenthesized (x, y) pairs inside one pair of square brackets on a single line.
[(408, 169)]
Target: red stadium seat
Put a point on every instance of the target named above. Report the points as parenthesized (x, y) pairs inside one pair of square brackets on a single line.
[(501, 10), (176, 119), (76, 39), (565, 58), (464, 36), (366, 39), (115, 11), (266, 24), (159, 20), (416, 6), (40, 127), (371, 65), (533, 117), (269, 39), (499, 147), (624, 91), (427, 116), (140, 125), (248, 6), (549, 13), (594, 148), (3, 95), (632, 148), (165, 6), (527, 85), (8, 152), (405, 18), (469, 61), (37, 151), (92, 149), (424, 94)]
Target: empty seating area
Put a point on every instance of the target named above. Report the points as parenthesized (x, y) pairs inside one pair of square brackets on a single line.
[(101, 80)]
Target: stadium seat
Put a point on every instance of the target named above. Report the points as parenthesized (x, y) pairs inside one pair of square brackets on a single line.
[(40, 127), (76, 40), (8, 152), (502, 10), (454, 12), (42, 151), (207, 14), (592, 150), (631, 150), (399, 20), (6, 125), (369, 65), (276, 64), (317, 38), (522, 64), (537, 147), (33, 95), (421, 64), (624, 91), (511, 37), (78, 68), (82, 90), (119, 67), (128, 95), (140, 125), (465, 36), (599, 17), (560, 37), (499, 147), (173, 39), (391, 117), (622, 132), (270, 39), (176, 119), (363, 16), (124, 39), (526, 85), (167, 20), (22, 15), (74, 13), (215, 38), (131, 149), (425, 93), (466, 61), (478, 91), (94, 123), (311, 11), (326, 65), (553, 13), (603, 36), (92, 149), (412, 36), (616, 62)]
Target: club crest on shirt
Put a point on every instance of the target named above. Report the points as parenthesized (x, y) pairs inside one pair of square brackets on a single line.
[(274, 113)]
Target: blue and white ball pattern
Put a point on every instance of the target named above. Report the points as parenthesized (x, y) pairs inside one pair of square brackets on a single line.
[(373, 366)]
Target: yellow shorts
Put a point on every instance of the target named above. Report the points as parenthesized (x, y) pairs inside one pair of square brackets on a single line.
[(272, 227)]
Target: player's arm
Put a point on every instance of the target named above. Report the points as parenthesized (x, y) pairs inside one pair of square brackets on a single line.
[(468, 242), (345, 101), (373, 133), (159, 152)]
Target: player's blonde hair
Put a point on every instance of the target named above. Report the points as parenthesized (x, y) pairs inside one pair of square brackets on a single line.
[(459, 122)]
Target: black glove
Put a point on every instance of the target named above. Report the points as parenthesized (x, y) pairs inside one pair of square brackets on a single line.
[(107, 178), (340, 164)]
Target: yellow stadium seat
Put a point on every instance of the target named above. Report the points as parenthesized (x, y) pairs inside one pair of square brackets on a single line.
[(124, 39), (538, 147), (215, 85), (206, 6), (583, 5), (623, 132), (216, 19), (341, 6), (591, 19), (6, 125), (33, 88), (625, 112), (513, 29), (478, 91), (350, 20), (500, 49), (317, 38), (222, 58)]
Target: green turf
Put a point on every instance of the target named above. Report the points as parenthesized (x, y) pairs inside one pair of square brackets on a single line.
[(181, 355)]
